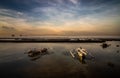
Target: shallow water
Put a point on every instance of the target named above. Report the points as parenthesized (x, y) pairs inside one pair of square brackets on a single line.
[(59, 63)]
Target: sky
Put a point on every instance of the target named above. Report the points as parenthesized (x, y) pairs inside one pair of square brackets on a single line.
[(60, 17)]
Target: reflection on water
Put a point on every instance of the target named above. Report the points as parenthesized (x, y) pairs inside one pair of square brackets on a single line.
[(58, 63), (117, 51)]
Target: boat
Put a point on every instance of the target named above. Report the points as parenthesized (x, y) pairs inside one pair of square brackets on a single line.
[(72, 54), (81, 53), (81, 56), (78, 52)]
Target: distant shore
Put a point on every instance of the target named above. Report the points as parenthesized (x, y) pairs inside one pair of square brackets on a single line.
[(57, 40)]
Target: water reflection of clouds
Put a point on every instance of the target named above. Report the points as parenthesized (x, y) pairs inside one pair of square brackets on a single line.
[(10, 58), (55, 67), (60, 63)]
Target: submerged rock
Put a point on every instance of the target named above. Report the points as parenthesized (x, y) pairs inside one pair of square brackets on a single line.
[(35, 54), (105, 45), (117, 45), (110, 64)]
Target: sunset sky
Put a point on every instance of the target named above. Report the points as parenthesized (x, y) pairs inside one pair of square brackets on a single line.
[(60, 17)]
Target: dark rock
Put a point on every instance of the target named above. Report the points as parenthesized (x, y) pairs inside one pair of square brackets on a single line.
[(110, 64), (117, 45)]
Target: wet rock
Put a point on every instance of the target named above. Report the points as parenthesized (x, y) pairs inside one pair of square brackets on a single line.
[(35, 54), (110, 64), (105, 45), (117, 45)]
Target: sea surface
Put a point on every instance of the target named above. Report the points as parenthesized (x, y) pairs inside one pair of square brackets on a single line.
[(58, 63)]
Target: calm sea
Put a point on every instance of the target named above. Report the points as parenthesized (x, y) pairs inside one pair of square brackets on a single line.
[(14, 63)]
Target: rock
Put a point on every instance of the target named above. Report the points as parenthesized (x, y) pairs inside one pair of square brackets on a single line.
[(117, 45)]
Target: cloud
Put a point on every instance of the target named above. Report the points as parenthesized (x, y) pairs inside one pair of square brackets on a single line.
[(56, 16), (7, 28), (10, 13), (74, 1)]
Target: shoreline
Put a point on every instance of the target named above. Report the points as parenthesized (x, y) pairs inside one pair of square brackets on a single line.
[(57, 40)]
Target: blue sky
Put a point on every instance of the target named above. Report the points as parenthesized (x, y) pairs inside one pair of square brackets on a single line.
[(60, 17)]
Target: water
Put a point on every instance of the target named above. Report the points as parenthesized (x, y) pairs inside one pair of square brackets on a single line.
[(59, 63)]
